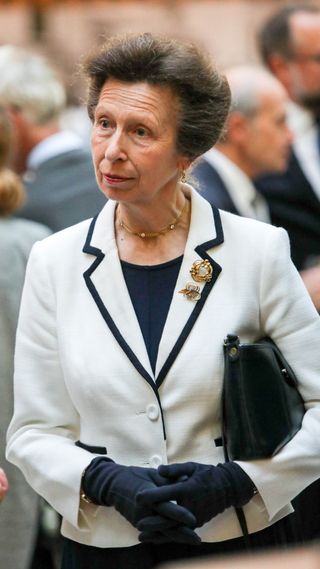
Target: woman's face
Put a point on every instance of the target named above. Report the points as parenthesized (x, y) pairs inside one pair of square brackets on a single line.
[(134, 142)]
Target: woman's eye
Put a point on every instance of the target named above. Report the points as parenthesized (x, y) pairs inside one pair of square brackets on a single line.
[(105, 123), (141, 131)]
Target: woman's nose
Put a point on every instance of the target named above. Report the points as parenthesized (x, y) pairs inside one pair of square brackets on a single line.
[(115, 147)]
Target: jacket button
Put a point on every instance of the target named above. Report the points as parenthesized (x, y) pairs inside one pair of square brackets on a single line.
[(152, 412), (155, 461)]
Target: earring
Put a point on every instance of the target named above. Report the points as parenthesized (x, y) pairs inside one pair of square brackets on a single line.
[(183, 177)]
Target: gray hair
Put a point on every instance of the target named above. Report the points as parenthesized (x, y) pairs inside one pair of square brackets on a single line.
[(30, 84), (247, 84)]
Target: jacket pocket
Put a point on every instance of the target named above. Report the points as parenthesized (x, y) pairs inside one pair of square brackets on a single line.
[(91, 448)]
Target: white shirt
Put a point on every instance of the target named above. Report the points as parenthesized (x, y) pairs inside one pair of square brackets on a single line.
[(306, 144), (241, 189)]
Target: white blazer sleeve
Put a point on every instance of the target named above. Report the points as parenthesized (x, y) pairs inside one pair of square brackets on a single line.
[(290, 319), (45, 423)]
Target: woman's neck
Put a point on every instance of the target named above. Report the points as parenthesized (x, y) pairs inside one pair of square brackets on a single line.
[(149, 236), (153, 216)]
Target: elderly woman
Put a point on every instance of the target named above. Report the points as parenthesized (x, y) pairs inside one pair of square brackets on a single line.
[(119, 358), (19, 513)]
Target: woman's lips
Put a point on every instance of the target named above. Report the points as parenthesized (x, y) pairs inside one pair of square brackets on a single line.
[(112, 179)]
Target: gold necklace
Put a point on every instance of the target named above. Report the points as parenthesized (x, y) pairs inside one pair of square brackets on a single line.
[(148, 235)]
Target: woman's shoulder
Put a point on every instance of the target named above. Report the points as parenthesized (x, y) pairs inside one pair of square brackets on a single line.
[(253, 239), (62, 251), (232, 225), (246, 225), (67, 237)]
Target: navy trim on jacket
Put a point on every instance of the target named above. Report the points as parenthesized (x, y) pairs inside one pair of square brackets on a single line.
[(202, 252)]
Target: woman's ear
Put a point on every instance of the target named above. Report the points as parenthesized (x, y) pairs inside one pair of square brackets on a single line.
[(184, 164)]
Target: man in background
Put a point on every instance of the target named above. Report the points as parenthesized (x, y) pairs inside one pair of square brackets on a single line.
[(289, 44), (256, 140), (56, 168)]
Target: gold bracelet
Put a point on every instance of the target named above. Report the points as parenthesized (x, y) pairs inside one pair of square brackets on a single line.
[(83, 495), (85, 498)]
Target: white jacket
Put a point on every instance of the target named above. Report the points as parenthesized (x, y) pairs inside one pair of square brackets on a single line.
[(82, 369)]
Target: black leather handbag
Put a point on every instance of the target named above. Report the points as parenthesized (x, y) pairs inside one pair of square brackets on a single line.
[(262, 408)]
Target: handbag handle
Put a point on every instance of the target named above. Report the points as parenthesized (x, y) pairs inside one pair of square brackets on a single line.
[(231, 343)]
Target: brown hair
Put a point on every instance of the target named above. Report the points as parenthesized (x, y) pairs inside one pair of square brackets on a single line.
[(275, 34), (203, 93), (12, 193)]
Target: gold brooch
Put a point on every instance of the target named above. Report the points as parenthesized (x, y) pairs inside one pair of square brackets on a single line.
[(201, 271), (191, 292)]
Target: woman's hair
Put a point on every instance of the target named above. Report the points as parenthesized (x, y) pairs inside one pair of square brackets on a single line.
[(203, 93), (12, 193)]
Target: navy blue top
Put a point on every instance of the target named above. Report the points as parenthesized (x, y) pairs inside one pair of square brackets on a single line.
[(151, 288)]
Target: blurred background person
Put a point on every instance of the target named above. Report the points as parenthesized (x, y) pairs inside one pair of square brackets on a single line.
[(19, 513), (4, 485), (56, 167), (256, 140), (289, 44)]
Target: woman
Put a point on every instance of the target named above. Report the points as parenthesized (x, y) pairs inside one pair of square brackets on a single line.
[(19, 513), (119, 358)]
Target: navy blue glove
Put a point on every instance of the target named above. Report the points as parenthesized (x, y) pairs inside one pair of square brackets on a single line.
[(179, 534), (206, 492), (151, 531), (107, 483)]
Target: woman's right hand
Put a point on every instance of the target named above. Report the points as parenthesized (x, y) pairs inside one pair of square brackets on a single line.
[(4, 485), (107, 483)]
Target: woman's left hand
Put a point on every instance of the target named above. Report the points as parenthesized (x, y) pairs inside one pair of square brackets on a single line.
[(4, 485), (154, 529), (205, 490)]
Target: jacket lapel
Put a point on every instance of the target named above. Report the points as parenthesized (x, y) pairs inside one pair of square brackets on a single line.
[(106, 284), (205, 233)]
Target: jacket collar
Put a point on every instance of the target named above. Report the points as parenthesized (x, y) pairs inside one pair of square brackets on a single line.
[(106, 284)]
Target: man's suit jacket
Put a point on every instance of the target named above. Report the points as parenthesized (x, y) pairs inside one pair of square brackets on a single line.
[(62, 191), (295, 206), (212, 187), (19, 511), (83, 372)]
